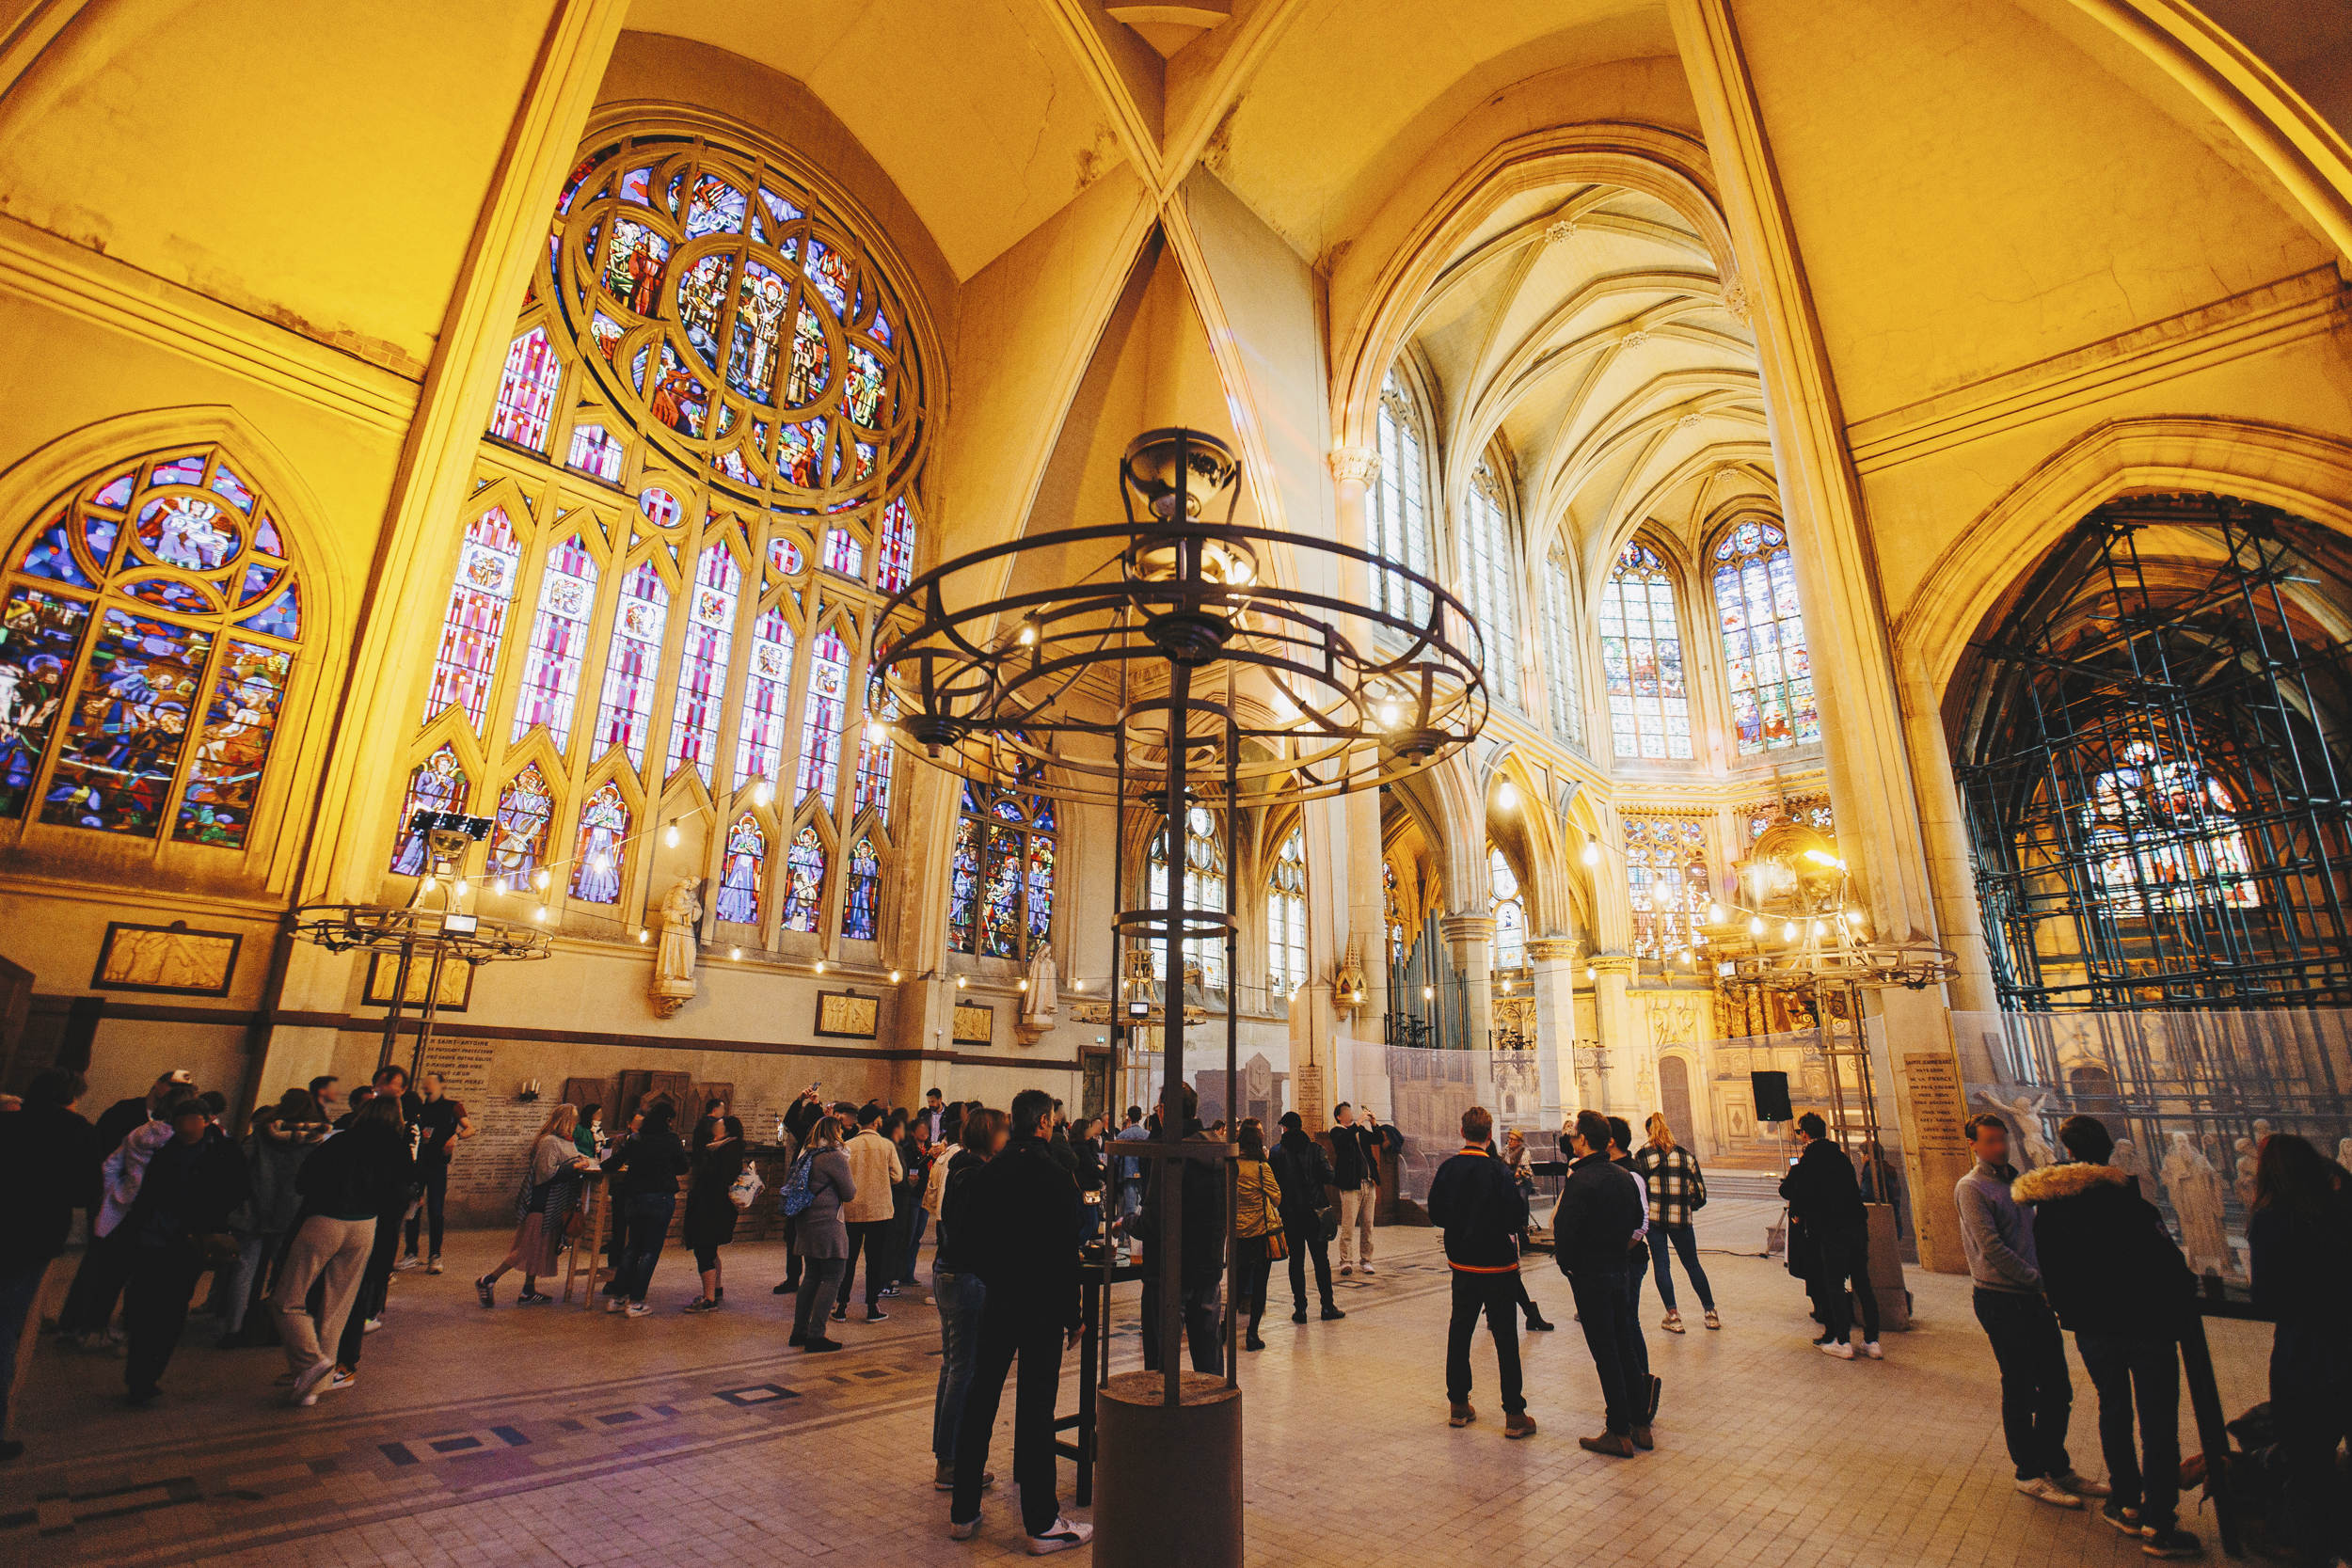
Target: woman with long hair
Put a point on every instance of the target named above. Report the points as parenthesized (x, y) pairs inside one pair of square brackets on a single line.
[(1522, 1169), (958, 1290), (644, 1173), (1257, 1226), (2300, 1248), (823, 1242), (710, 1209), (1677, 1187), (543, 1206)]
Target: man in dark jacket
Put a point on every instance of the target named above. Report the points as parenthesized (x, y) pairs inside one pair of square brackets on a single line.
[(1356, 1172), (1201, 1248), (1480, 1207), (2113, 1276), (1020, 1218), (1303, 1173), (48, 1168), (191, 1184), (1600, 1207), (1825, 1198)]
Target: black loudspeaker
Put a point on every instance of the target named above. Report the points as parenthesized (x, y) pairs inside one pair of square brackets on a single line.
[(1772, 1096)]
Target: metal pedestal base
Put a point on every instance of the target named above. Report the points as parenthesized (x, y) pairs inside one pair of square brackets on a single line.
[(1169, 1477)]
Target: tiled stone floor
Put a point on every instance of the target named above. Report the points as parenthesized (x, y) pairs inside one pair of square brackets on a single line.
[(553, 1435)]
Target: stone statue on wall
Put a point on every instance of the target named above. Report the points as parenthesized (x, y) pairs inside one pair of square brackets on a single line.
[(677, 948), (2195, 1189), (2344, 1152), (2024, 1112), (2245, 1182), (1040, 1005)]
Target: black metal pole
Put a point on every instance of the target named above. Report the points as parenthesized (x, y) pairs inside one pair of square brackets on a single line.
[(1171, 1184)]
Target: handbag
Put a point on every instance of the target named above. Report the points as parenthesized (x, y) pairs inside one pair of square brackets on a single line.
[(797, 1197), (215, 1250), (1278, 1245), (745, 1189)]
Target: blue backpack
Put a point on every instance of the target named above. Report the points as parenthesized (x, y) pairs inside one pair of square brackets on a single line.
[(797, 1197)]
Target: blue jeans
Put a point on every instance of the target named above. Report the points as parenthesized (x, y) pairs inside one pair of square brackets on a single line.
[(20, 1289), (1684, 1242), (961, 1297), (252, 1252), (2131, 1370), (645, 1225)]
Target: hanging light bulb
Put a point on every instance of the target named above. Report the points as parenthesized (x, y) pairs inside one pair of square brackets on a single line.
[(1819, 929), (1025, 985), (762, 793), (820, 966), (669, 834), (643, 935), (1428, 994), (1788, 932), (603, 861), (461, 887), (1029, 634), (1077, 985), (1755, 925), (734, 952), (1591, 973), (874, 731), (1592, 852), (501, 887), (541, 880), (962, 981), (1714, 914), (540, 914), (894, 977), (1689, 958), (1507, 796)]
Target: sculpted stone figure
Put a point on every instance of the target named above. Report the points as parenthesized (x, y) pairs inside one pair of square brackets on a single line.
[(1040, 1005), (677, 948), (2195, 1189)]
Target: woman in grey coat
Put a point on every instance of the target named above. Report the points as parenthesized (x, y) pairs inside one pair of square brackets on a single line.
[(282, 1137), (822, 1241)]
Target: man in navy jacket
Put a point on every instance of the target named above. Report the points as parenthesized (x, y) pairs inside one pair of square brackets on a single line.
[(1600, 1207), (1481, 1208)]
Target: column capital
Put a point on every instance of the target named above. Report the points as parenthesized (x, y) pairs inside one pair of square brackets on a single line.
[(1553, 949), (1359, 463), (1467, 927), (1613, 963)]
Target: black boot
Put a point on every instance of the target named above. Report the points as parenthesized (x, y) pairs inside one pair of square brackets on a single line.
[(1535, 1322)]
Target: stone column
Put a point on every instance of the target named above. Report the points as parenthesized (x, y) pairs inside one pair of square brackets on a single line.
[(1365, 929), (1471, 938), (1555, 961), (1618, 1019)]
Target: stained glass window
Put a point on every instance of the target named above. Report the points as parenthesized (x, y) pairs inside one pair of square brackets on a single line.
[(559, 641), (1000, 874), (876, 748), (2167, 837), (526, 401), (1205, 889), (147, 627), (742, 872), (1394, 913), (859, 894), (626, 712), (1641, 656), (488, 561), (596, 452), (436, 784), (1560, 652), (1668, 882), (821, 716), (843, 554), (1764, 656), (702, 675), (1509, 908), (1286, 920), (759, 737), (804, 881), (597, 855), (526, 808), (897, 567), (1397, 520), (1487, 586)]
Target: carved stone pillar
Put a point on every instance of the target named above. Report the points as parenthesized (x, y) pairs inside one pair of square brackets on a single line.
[(1622, 1044), (1555, 961), (1471, 938), (1366, 931)]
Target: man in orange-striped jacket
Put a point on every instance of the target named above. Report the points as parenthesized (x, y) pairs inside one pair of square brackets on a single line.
[(1481, 1211)]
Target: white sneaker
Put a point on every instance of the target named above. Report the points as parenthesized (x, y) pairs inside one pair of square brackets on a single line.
[(1367, 1267), (615, 1304), (304, 1389), (2082, 1486), (1060, 1537), (411, 1262), (1839, 1349), (371, 1325), (639, 1310), (963, 1532), (2042, 1489), (1870, 1349)]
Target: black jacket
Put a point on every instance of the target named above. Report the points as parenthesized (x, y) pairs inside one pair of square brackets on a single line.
[(1821, 1190), (365, 1172), (1600, 1209), (48, 1168), (1354, 1157), (1302, 1172), (710, 1213), (647, 1165), (955, 1251), (188, 1191), (1204, 1222), (117, 1123), (2108, 1264), (1483, 1211), (1019, 1219)]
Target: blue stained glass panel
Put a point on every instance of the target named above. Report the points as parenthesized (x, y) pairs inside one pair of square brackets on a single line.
[(281, 618), (40, 635), (52, 556), (740, 876), (218, 806), (1000, 906), (858, 917), (171, 594), (128, 725), (963, 882), (436, 784), (803, 881)]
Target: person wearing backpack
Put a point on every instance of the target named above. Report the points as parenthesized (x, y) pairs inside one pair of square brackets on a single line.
[(1303, 1174), (821, 1183), (710, 1209), (1677, 1190)]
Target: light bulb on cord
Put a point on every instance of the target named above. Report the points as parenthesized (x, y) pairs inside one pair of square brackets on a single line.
[(427, 885), (643, 935), (602, 862), (500, 886), (1507, 796), (820, 966), (762, 793), (1819, 929), (541, 880), (962, 981), (1788, 932), (1025, 985), (540, 914), (874, 731), (894, 977), (1755, 925), (461, 887), (1591, 973), (669, 835), (734, 952), (1077, 985), (1714, 914), (1428, 994), (1592, 852)]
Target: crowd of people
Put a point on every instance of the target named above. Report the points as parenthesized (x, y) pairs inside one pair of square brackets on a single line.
[(300, 1225)]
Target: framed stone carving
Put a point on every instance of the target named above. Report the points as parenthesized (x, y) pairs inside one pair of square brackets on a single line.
[(846, 1015), (384, 974), (976, 1023), (166, 958)]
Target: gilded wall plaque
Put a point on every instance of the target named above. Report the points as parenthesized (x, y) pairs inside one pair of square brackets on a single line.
[(975, 1024), (165, 957), (846, 1015)]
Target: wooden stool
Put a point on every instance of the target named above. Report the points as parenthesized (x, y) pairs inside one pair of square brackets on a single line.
[(590, 1241)]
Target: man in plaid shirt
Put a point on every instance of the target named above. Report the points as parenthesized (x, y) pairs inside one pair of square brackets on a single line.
[(1677, 1188)]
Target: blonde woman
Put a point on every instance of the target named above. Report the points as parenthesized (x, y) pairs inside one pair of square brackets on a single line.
[(1677, 1187), (1257, 1226), (543, 1204)]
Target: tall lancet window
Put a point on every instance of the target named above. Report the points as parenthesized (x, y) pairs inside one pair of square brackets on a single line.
[(1398, 527), (1486, 582), (1764, 656), (1286, 919), (1641, 655)]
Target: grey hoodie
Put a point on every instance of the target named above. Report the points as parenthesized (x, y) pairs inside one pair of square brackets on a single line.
[(1996, 1234)]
